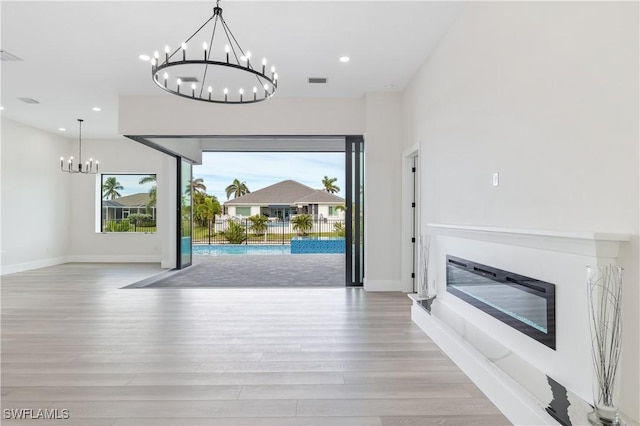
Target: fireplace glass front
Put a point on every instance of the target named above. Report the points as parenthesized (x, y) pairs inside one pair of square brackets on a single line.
[(524, 303)]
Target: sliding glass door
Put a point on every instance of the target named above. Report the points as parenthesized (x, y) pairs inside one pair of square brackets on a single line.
[(184, 213), (354, 220)]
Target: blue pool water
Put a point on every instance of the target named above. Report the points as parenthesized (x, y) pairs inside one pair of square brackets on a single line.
[(231, 249)]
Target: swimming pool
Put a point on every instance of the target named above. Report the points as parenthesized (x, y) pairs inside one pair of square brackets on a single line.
[(233, 249)]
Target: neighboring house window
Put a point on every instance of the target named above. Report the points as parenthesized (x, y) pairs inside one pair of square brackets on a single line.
[(333, 211), (128, 203), (243, 211)]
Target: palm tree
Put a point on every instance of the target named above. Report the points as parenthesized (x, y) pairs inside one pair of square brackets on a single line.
[(110, 189), (258, 224), (153, 191), (329, 186), (208, 209), (196, 185), (237, 189), (302, 223)]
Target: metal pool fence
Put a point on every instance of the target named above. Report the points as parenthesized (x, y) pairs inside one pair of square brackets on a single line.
[(243, 231)]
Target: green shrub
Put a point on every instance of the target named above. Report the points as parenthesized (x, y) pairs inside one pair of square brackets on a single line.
[(235, 233), (340, 229), (118, 226)]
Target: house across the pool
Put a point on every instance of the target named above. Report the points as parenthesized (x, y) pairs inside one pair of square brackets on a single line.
[(285, 199)]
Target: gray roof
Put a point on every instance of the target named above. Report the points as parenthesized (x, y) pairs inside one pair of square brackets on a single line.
[(134, 200), (287, 192)]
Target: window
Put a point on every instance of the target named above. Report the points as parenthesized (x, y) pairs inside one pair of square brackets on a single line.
[(333, 211), (128, 203), (243, 211)]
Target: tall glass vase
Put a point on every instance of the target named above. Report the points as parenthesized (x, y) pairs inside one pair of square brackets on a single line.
[(604, 285)]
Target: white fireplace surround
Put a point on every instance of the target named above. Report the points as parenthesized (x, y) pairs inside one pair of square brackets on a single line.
[(508, 366)]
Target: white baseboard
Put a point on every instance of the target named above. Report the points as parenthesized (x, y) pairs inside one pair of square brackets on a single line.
[(518, 405), (43, 263), (27, 266), (382, 285)]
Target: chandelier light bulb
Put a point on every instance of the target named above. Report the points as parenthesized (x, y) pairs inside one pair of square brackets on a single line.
[(275, 76), (266, 87), (255, 89), (226, 91), (193, 90), (153, 62), (167, 49), (210, 89), (273, 69), (184, 46), (204, 45), (156, 54), (179, 83), (241, 91)]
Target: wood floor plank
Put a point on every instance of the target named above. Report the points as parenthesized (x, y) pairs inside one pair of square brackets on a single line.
[(368, 391), (255, 421), (74, 338)]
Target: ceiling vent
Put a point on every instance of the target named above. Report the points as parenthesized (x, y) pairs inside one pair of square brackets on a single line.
[(188, 79), (6, 56), (317, 80), (29, 100)]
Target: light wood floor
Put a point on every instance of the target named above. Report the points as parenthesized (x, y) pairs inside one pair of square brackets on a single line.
[(72, 339)]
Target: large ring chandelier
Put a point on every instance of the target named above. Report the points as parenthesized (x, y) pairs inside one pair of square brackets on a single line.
[(199, 74)]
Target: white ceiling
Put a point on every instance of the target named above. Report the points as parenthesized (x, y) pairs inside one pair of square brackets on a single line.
[(81, 54)]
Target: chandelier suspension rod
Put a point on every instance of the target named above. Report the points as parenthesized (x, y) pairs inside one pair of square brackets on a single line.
[(206, 67), (80, 142)]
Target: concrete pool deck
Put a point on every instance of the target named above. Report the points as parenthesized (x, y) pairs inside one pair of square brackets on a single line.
[(256, 271)]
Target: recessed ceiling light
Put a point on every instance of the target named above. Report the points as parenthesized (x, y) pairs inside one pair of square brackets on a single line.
[(62, 129), (144, 57), (344, 59), (1, 108), (96, 109)]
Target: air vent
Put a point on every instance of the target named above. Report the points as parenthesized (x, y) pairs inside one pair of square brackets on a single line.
[(29, 100), (188, 79), (317, 80), (6, 56)]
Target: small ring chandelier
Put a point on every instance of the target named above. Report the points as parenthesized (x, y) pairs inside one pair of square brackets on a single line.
[(204, 71)]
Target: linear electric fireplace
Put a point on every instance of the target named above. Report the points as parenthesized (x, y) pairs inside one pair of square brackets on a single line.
[(524, 303)]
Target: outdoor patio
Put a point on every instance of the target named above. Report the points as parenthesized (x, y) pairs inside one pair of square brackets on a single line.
[(255, 271)]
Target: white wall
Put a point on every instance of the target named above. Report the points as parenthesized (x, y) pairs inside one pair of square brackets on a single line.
[(117, 156), (171, 115), (546, 94), (383, 166), (35, 214)]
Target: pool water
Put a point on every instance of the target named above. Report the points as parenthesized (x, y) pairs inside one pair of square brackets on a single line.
[(234, 249)]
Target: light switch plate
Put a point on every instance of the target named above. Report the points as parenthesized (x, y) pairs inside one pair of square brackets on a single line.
[(496, 179)]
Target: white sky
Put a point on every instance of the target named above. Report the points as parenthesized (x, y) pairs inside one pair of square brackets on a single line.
[(259, 170)]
